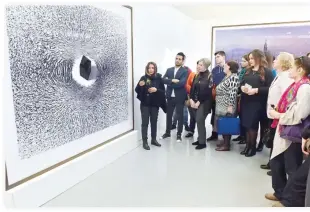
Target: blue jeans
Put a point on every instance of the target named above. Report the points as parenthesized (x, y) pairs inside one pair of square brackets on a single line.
[(185, 114)]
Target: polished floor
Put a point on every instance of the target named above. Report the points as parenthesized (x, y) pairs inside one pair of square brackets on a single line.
[(175, 175)]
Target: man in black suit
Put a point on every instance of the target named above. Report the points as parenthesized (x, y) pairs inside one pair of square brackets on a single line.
[(175, 79)]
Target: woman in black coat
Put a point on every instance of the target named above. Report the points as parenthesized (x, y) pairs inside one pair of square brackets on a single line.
[(201, 100), (255, 86), (151, 93)]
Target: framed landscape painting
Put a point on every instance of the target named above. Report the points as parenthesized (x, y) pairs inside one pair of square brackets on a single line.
[(239, 40)]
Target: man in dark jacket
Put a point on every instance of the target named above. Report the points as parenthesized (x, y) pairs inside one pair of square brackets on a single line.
[(175, 79), (218, 75)]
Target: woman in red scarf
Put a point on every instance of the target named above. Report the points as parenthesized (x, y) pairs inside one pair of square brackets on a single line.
[(292, 109)]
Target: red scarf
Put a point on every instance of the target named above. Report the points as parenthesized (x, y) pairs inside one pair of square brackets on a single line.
[(287, 98)]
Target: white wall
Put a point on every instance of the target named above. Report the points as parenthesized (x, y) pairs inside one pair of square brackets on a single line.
[(158, 36), (160, 32), (243, 14)]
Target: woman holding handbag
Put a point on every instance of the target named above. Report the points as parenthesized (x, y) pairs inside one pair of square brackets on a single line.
[(292, 109), (226, 100), (282, 64)]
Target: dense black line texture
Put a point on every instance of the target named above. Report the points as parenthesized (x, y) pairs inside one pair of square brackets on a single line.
[(51, 107)]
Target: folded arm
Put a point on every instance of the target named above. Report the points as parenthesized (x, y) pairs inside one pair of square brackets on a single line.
[(181, 82)]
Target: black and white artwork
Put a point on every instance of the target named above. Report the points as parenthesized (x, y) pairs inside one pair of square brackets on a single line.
[(69, 72)]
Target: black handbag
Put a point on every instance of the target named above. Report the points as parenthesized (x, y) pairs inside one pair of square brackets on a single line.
[(269, 136)]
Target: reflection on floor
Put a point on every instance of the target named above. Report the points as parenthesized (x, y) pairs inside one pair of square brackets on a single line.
[(175, 175)]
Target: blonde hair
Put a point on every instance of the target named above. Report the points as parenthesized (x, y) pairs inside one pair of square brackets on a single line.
[(285, 60), (206, 62)]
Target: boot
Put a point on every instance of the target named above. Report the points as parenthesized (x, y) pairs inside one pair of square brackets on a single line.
[(221, 143), (155, 143), (246, 150), (226, 144), (145, 145), (252, 151)]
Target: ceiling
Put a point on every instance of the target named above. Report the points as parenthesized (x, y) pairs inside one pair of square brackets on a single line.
[(203, 11)]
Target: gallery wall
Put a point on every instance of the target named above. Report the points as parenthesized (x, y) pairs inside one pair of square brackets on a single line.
[(160, 32), (52, 114), (243, 14)]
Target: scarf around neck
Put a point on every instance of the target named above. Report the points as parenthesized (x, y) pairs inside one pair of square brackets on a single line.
[(287, 98)]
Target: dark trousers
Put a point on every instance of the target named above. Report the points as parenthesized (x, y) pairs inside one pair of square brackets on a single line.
[(295, 190), (185, 116), (171, 105), (149, 114), (192, 120), (213, 114), (200, 116), (285, 163)]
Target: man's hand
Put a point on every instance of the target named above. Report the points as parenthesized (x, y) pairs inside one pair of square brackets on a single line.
[(175, 80)]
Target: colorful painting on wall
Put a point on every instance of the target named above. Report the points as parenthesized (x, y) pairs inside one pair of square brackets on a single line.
[(274, 38)]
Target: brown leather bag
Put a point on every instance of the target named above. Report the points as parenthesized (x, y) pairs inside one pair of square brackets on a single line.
[(213, 92)]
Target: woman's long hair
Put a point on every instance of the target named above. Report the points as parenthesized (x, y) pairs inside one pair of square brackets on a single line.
[(246, 57), (147, 68), (260, 59)]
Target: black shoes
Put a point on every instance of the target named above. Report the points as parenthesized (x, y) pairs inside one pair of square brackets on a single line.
[(155, 143), (166, 135), (213, 137), (267, 166), (241, 142), (146, 146), (195, 143), (201, 146), (189, 135), (239, 138), (269, 173), (246, 150), (179, 138), (251, 152), (187, 128)]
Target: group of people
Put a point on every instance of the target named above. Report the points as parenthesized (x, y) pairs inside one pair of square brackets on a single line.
[(267, 94)]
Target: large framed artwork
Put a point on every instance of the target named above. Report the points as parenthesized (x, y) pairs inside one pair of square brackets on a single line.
[(239, 40), (68, 83)]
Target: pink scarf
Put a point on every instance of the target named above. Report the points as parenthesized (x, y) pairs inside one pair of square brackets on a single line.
[(287, 98)]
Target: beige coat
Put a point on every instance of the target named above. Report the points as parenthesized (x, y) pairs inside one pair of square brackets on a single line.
[(297, 111), (277, 88)]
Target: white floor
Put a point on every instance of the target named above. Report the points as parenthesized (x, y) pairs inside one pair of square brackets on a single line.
[(175, 175)]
